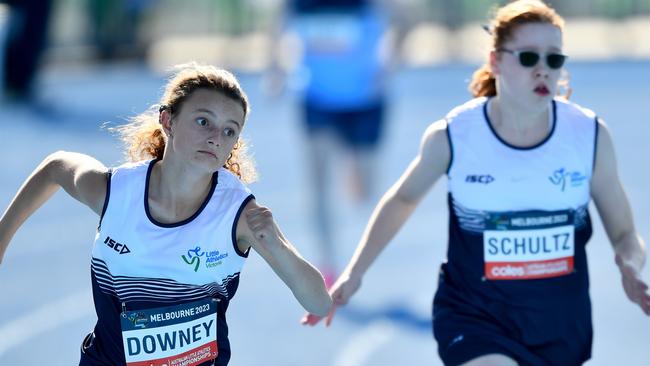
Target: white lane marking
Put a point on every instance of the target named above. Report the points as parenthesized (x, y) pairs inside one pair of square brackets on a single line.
[(47, 317), (364, 343)]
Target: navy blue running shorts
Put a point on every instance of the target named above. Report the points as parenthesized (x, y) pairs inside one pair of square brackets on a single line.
[(357, 128), (557, 335)]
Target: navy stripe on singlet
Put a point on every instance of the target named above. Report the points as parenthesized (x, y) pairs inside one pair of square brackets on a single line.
[(109, 174), (155, 289), (596, 132), (234, 227)]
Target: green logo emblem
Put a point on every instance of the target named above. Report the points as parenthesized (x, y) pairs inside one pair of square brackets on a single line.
[(196, 261)]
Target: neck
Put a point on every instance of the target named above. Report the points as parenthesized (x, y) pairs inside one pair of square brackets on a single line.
[(513, 116), (518, 125), (177, 186)]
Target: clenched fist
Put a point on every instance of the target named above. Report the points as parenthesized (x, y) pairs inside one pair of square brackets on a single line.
[(260, 222)]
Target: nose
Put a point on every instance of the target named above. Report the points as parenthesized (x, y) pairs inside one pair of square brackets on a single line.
[(542, 70), (214, 138)]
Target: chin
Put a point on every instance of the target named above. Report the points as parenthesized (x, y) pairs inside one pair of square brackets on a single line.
[(208, 165)]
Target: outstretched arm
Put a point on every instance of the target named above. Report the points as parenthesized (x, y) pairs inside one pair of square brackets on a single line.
[(260, 231), (83, 177), (393, 210), (616, 214)]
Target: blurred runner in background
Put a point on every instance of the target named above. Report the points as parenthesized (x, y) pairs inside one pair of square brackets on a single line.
[(347, 55)]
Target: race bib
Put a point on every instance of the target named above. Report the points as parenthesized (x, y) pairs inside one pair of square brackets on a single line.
[(181, 335), (529, 246)]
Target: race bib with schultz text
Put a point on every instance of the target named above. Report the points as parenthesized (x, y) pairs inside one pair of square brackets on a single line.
[(530, 245)]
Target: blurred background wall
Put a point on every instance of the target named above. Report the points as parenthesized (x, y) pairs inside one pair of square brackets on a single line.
[(236, 33)]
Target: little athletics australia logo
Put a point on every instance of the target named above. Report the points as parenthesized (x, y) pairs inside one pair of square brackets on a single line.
[(195, 256)]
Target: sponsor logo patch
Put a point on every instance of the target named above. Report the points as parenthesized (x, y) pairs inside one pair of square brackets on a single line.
[(563, 177), (118, 247), (483, 179), (211, 259)]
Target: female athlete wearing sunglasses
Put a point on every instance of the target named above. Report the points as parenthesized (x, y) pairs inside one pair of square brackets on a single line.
[(522, 166)]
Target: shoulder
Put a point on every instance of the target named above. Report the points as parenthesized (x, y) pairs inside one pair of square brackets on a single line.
[(436, 132), (571, 109), (226, 180), (130, 168), (469, 108), (435, 145), (604, 137)]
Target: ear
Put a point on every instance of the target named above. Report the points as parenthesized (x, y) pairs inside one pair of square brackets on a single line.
[(165, 120), (494, 62)]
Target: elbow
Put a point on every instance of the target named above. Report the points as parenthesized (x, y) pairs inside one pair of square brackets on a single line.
[(53, 161), (53, 164)]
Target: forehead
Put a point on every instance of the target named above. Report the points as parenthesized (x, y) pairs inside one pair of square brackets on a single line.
[(536, 36), (214, 101)]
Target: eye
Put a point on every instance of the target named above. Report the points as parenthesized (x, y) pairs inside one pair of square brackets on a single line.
[(229, 132), (201, 121)]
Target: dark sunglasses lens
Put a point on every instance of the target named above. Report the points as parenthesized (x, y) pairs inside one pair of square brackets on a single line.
[(528, 59), (555, 61)]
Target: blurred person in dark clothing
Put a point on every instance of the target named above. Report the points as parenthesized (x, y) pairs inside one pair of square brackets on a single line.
[(115, 27), (26, 38)]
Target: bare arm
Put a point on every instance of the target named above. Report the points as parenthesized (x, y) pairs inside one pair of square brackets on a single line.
[(616, 214), (260, 231), (395, 207), (83, 177)]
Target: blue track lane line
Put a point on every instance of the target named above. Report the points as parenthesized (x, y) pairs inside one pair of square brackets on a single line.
[(394, 312)]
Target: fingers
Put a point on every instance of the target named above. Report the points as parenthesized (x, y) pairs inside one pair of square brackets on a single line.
[(311, 319), (642, 296), (330, 316), (259, 220), (635, 289), (258, 216)]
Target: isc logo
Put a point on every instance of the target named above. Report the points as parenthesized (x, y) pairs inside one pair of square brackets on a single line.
[(485, 179), (118, 247)]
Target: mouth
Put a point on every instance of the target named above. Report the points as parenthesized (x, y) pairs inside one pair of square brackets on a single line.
[(208, 153), (542, 90)]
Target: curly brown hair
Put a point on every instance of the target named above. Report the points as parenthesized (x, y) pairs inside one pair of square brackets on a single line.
[(143, 135), (502, 27)]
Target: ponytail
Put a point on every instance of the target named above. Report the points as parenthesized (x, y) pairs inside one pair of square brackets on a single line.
[(483, 83)]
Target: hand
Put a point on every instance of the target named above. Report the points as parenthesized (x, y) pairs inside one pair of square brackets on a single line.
[(635, 289), (341, 292), (260, 221), (311, 319)]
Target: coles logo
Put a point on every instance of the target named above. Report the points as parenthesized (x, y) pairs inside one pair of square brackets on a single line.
[(507, 271)]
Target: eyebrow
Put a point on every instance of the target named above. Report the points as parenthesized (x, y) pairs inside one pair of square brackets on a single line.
[(214, 115)]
